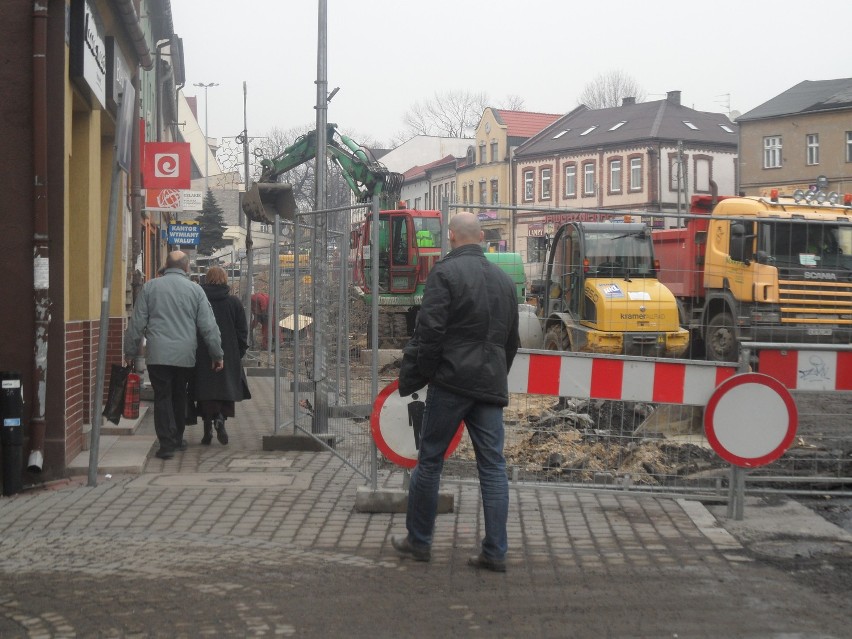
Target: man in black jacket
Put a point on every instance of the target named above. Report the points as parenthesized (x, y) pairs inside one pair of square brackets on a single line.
[(466, 337)]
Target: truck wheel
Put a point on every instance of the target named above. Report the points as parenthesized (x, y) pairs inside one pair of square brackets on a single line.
[(556, 339), (721, 340)]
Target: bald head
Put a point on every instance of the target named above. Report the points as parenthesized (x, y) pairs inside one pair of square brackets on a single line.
[(178, 259), (465, 229)]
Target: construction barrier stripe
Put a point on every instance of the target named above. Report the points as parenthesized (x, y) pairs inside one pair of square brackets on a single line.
[(617, 377), (808, 370)]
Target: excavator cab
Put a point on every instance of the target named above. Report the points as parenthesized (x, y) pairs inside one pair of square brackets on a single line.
[(398, 253)]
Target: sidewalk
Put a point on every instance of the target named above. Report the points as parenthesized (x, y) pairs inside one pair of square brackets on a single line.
[(235, 541)]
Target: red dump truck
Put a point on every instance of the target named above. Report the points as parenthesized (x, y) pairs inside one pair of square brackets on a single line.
[(768, 269)]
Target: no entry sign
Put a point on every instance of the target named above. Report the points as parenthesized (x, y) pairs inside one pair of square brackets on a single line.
[(395, 424), (750, 420)]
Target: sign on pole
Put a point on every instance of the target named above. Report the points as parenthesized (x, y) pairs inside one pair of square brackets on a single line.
[(172, 200), (185, 233), (750, 420), (395, 425)]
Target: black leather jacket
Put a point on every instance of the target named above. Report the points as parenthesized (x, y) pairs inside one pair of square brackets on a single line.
[(467, 329)]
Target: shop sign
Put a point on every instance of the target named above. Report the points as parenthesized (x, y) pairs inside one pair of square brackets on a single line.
[(116, 73), (88, 50)]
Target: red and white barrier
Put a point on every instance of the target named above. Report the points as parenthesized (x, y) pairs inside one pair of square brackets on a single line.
[(616, 377), (805, 370)]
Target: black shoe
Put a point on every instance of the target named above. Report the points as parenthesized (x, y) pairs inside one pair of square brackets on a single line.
[(221, 433), (208, 434), (405, 548), (182, 446), (164, 453), (481, 561)]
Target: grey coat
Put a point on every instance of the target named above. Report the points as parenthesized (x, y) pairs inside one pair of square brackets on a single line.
[(170, 312)]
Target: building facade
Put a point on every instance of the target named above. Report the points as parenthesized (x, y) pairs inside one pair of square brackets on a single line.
[(644, 160), (799, 135), (77, 70), (484, 178)]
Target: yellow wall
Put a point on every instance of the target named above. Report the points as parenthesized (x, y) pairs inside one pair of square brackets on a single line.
[(84, 228)]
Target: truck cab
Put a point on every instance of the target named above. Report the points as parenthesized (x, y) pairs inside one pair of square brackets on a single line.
[(603, 295)]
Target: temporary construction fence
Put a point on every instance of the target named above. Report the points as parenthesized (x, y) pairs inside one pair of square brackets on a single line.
[(603, 421)]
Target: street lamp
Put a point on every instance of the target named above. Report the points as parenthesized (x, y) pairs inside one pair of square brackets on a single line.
[(206, 139)]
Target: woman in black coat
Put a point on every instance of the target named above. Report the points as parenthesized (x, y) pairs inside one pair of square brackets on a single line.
[(215, 392)]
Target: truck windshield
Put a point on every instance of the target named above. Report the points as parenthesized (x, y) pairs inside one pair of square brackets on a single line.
[(625, 254), (803, 244)]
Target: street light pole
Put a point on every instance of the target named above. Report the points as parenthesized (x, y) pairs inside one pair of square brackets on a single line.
[(206, 138)]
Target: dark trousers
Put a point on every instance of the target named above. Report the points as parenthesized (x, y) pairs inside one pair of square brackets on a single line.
[(169, 384)]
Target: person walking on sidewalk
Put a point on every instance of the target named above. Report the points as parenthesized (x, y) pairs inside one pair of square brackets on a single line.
[(466, 339), (170, 311), (217, 392)]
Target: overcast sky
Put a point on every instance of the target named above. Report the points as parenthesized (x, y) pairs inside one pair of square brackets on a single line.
[(387, 54)]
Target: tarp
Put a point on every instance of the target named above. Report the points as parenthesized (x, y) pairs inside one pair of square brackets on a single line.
[(289, 321)]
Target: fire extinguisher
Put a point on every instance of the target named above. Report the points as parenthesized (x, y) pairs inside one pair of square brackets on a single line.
[(131, 396)]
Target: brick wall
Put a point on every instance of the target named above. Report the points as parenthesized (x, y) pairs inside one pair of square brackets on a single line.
[(81, 360)]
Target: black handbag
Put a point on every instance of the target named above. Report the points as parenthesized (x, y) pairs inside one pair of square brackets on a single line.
[(411, 379), (115, 397)]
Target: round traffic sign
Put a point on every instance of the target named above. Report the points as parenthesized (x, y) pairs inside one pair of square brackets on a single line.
[(750, 419), (395, 425)]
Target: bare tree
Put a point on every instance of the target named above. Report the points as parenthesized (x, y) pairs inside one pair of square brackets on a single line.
[(454, 114), (512, 103), (608, 89)]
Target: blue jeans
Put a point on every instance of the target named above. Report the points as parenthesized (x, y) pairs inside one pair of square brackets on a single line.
[(444, 411)]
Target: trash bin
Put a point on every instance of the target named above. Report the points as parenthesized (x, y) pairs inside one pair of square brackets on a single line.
[(11, 431)]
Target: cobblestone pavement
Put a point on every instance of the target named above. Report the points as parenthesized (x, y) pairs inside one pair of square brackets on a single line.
[(233, 541)]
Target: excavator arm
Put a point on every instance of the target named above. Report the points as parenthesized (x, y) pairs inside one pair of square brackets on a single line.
[(367, 177)]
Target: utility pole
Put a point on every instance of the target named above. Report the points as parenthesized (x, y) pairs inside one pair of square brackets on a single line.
[(206, 137)]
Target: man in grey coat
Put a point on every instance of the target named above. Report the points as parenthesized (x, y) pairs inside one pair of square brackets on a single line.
[(170, 312)]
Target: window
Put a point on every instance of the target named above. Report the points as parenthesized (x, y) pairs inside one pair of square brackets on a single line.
[(536, 249), (495, 192), (570, 180), (545, 184), (560, 134), (678, 172), (618, 125), (482, 193), (615, 176), (464, 194), (482, 152), (772, 152), (849, 146), (589, 130), (635, 174), (589, 178), (726, 128), (494, 151), (529, 186), (813, 148), (690, 125)]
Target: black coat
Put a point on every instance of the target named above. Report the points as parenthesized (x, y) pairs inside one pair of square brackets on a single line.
[(467, 329), (229, 384)]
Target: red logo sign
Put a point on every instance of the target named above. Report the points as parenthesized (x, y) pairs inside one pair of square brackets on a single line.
[(168, 165)]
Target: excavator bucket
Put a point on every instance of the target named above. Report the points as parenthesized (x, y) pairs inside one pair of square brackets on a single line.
[(265, 200)]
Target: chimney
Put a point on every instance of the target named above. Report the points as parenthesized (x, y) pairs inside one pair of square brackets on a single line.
[(628, 101), (673, 97)]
